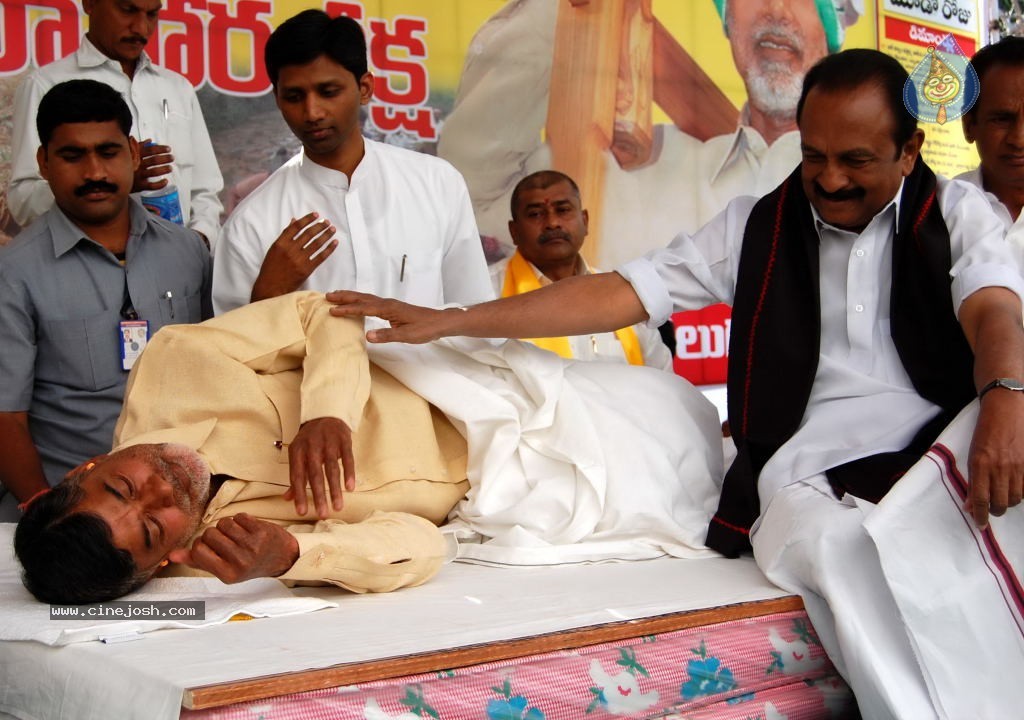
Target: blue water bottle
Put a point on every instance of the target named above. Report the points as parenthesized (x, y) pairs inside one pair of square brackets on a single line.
[(164, 202)]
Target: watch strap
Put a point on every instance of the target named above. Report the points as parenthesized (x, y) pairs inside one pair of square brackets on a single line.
[(1005, 383)]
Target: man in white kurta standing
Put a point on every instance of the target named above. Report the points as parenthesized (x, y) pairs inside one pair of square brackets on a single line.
[(871, 302), (166, 118), (347, 212), (995, 124)]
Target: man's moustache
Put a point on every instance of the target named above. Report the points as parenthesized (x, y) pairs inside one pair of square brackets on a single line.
[(547, 237), (95, 186), (839, 195)]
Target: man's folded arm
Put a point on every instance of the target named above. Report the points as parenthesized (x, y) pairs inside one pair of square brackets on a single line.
[(274, 336), (384, 552)]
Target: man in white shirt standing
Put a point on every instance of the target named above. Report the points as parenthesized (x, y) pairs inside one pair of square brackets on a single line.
[(995, 124), (347, 212), (871, 302), (166, 118), (548, 227)]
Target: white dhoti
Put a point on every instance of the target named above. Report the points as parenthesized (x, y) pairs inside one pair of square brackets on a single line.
[(919, 610), (569, 461)]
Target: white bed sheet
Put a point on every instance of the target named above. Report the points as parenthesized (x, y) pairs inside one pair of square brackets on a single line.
[(465, 604)]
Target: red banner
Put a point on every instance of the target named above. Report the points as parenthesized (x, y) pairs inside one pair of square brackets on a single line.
[(702, 344), (199, 39), (40, 40), (923, 36)]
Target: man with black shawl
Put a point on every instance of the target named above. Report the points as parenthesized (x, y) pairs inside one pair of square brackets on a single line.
[(872, 302)]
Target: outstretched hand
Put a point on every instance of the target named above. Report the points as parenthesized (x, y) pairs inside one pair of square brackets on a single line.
[(241, 548), (313, 457), (409, 323), (300, 249)]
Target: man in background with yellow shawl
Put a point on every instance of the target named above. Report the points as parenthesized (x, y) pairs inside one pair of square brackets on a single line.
[(548, 227)]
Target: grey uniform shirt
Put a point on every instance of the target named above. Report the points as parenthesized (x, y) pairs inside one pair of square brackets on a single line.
[(61, 301)]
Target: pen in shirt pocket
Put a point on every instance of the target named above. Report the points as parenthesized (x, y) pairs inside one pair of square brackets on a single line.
[(169, 297), (401, 273), (167, 111)]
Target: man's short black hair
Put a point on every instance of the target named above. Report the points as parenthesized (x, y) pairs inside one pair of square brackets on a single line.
[(538, 181), (81, 101), (1009, 51), (301, 39), (69, 558), (851, 69)]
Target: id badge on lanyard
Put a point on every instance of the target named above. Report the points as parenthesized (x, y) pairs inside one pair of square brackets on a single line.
[(133, 333), (134, 336)]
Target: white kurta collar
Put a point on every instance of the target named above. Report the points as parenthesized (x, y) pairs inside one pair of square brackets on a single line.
[(88, 55), (317, 174), (320, 175)]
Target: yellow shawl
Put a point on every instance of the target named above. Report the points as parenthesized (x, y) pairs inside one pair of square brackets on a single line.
[(520, 278)]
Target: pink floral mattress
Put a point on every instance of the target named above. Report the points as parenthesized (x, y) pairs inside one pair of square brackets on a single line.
[(770, 667)]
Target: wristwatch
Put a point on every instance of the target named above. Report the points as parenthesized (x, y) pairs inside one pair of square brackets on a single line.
[(1007, 383)]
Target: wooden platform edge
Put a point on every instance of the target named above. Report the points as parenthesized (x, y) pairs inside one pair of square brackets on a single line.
[(260, 688)]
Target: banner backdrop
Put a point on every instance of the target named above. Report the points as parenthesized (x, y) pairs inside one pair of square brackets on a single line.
[(417, 48), (648, 104), (907, 30)]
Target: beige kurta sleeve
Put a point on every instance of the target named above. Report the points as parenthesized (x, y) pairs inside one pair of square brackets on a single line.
[(190, 373), (335, 369), (384, 552)]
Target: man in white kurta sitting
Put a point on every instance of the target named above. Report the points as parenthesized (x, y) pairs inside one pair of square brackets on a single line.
[(346, 212), (548, 227), (871, 302), (544, 461), (995, 124)]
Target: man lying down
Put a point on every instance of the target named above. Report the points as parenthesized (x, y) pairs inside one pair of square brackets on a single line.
[(267, 443)]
